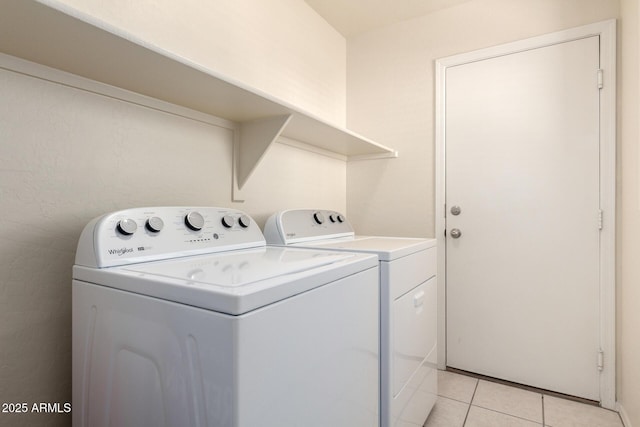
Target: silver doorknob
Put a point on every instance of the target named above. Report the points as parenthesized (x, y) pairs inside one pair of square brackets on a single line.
[(456, 233)]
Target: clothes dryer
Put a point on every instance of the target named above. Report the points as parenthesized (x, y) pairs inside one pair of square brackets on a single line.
[(408, 305), (184, 317)]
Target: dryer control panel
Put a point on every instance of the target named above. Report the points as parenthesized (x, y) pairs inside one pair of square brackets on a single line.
[(148, 234), (305, 225)]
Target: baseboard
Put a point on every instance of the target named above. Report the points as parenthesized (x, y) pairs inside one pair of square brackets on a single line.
[(623, 414)]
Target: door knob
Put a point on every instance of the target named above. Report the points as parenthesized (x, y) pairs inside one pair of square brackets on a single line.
[(456, 233), (455, 210)]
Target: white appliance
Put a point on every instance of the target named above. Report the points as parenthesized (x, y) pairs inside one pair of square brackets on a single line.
[(184, 317), (408, 305)]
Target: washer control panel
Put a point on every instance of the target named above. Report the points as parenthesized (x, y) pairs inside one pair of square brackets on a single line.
[(302, 225), (147, 234)]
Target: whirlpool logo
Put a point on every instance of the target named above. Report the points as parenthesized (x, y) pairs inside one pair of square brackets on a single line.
[(120, 251)]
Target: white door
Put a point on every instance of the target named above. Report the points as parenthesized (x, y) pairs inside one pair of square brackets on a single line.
[(522, 165)]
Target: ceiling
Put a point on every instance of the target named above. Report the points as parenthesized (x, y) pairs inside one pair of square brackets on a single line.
[(351, 17)]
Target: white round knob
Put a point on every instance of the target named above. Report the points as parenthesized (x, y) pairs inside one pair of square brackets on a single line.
[(228, 221), (244, 221), (194, 221), (340, 218), (127, 226), (318, 217), (155, 224)]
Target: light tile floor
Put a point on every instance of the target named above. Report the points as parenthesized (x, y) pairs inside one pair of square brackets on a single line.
[(470, 402)]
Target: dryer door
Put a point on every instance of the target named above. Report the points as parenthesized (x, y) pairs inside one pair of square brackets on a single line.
[(414, 332)]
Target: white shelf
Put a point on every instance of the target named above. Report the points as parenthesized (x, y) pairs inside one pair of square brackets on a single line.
[(57, 36)]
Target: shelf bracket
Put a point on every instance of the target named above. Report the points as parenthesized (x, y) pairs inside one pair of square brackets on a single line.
[(252, 141)]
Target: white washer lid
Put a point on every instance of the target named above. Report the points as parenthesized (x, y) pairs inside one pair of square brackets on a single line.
[(387, 248), (232, 282)]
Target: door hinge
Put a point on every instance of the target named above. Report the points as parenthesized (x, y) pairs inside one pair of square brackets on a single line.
[(600, 360), (600, 220), (600, 79)]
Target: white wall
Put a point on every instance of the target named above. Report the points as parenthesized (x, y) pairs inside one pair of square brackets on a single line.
[(628, 274), (67, 155), (390, 98)]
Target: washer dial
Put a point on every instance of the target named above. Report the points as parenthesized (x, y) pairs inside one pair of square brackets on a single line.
[(154, 224), (228, 221), (194, 221), (318, 217), (244, 221), (127, 226)]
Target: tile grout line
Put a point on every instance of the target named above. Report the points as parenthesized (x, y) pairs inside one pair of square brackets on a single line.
[(470, 402), (542, 423), (509, 414)]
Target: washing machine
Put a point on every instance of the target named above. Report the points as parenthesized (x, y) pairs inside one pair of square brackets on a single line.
[(185, 317), (408, 305)]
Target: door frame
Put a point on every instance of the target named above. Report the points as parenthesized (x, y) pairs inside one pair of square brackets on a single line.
[(606, 30)]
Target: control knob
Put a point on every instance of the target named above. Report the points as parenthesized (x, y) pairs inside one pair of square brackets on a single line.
[(318, 217), (154, 224), (127, 226), (194, 221), (336, 218), (244, 221), (228, 221)]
